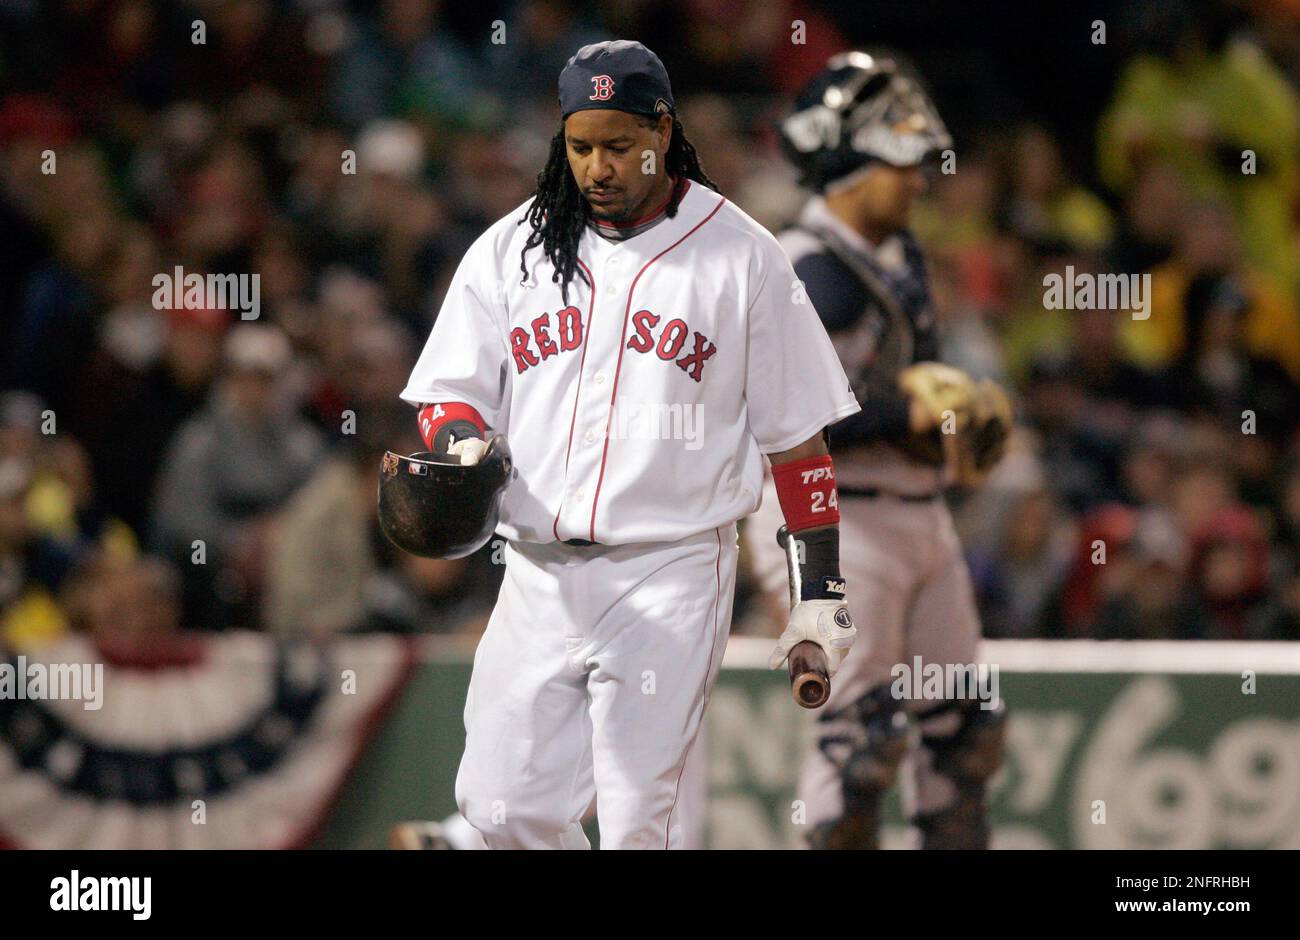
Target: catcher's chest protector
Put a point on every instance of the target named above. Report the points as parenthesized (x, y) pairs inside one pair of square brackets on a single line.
[(895, 308)]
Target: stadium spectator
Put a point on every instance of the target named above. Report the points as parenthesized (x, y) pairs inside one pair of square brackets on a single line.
[(1018, 579), (324, 552), (1229, 568), (1206, 243), (401, 61), (227, 472), (151, 403), (32, 567), (1043, 207), (1207, 103), (1144, 588), (1218, 377)]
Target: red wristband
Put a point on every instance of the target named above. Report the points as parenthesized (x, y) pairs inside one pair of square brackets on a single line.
[(806, 490), (436, 416)]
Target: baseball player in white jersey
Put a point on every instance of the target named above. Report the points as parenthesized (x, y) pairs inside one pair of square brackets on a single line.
[(636, 339), (858, 134)]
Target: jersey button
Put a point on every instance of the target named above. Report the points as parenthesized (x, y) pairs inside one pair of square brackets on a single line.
[(599, 378), (589, 437), (580, 495)]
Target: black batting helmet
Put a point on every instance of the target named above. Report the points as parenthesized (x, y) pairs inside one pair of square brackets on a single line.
[(861, 108), (437, 508)]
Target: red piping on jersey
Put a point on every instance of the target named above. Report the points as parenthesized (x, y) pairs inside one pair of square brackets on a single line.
[(622, 344), (586, 336), (678, 190), (704, 693)]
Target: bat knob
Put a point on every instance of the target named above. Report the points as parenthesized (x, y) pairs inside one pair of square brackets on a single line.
[(810, 683), (811, 690)]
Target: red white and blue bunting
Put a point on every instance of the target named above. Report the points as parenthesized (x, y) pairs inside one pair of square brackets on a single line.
[(228, 741)]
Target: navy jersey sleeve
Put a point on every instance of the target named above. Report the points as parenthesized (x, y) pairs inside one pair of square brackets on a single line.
[(837, 294), (834, 290), (883, 417)]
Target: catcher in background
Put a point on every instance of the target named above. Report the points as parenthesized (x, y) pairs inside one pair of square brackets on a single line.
[(858, 135)]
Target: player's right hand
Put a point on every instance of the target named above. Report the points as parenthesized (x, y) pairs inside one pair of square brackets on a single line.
[(827, 623), (470, 450)]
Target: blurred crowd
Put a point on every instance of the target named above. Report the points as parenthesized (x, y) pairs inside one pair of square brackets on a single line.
[(169, 469)]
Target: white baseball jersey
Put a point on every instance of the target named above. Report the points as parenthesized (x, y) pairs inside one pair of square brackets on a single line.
[(640, 410)]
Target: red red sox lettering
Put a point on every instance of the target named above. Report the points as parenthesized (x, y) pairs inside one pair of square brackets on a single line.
[(569, 331), (671, 340)]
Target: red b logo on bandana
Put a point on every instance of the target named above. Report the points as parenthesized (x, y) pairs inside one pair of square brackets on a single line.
[(604, 88)]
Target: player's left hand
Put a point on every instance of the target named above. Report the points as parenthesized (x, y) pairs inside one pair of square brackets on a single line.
[(827, 623), (470, 450)]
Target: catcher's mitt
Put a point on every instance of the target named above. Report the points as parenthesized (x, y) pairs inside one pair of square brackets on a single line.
[(969, 421)]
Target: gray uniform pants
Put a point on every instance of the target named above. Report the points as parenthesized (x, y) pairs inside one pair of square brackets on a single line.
[(910, 595)]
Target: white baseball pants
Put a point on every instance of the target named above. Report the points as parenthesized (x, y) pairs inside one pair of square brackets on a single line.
[(591, 681)]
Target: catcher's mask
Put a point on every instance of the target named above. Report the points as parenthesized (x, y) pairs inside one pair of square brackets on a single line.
[(859, 109), (431, 505)]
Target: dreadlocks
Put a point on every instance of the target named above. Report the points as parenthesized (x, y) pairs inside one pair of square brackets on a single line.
[(560, 212)]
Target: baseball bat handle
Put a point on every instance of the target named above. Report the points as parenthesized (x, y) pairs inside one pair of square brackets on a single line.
[(810, 681)]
